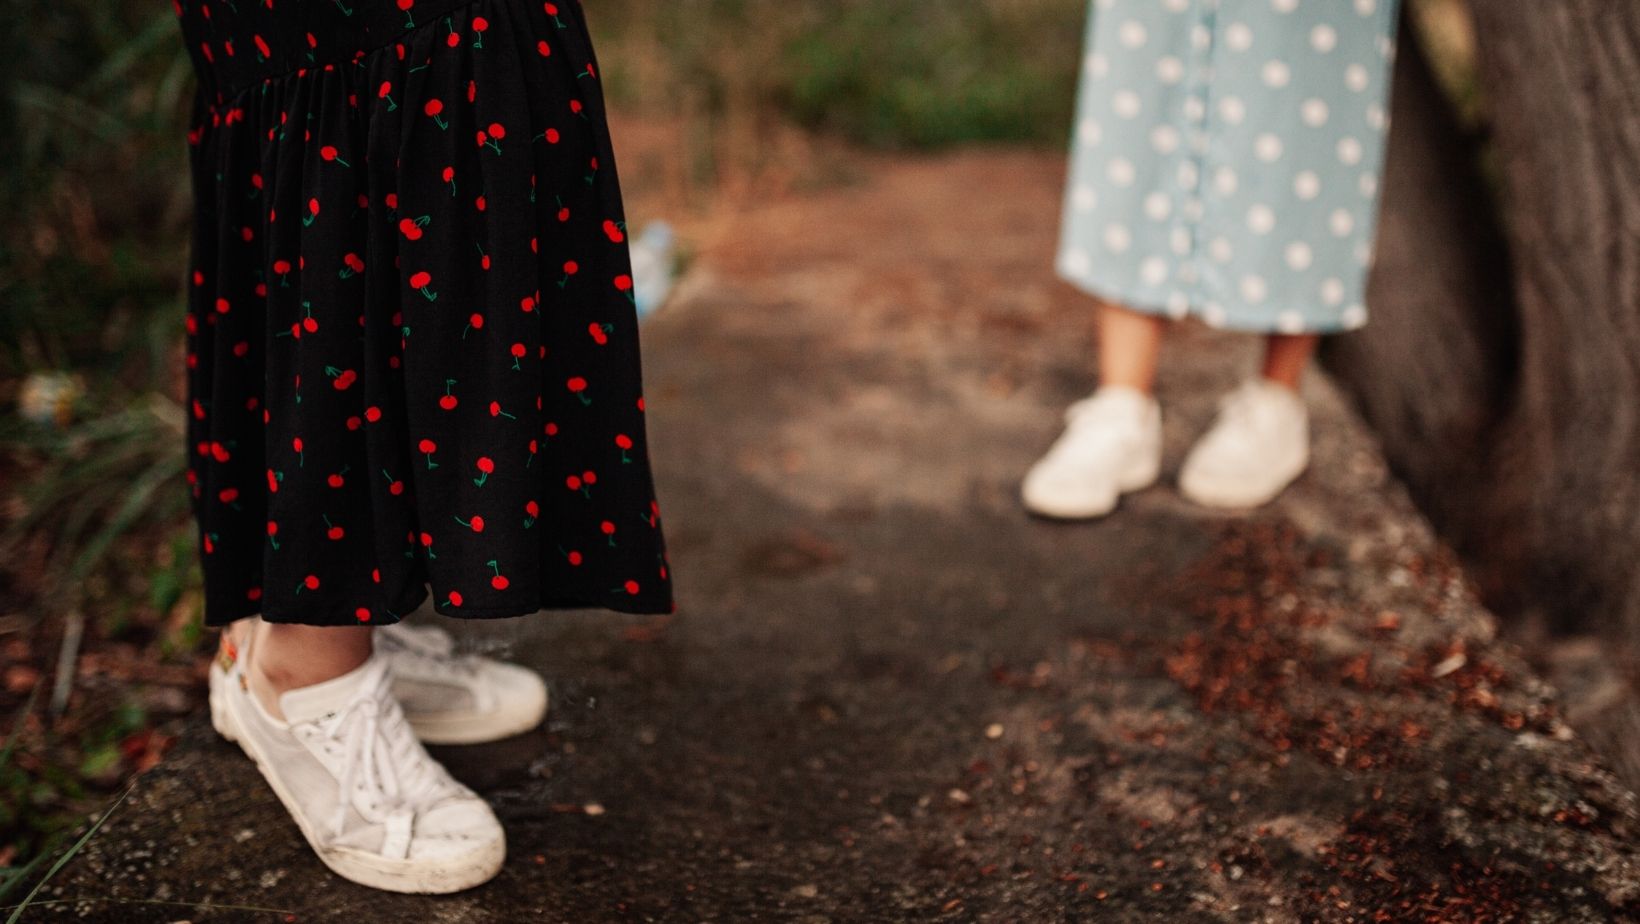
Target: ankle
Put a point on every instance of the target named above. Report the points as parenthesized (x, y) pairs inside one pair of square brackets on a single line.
[(282, 658)]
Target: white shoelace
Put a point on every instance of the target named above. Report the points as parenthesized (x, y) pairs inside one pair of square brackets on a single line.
[(382, 756)]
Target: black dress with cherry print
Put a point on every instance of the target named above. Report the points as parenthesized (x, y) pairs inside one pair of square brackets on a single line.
[(412, 347)]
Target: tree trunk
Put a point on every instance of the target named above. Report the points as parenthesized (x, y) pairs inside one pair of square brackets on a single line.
[(1564, 81), (1434, 371)]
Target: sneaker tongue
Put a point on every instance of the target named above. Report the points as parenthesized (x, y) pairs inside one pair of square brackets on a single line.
[(310, 704)]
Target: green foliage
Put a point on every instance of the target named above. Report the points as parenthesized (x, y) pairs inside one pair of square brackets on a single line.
[(887, 73)]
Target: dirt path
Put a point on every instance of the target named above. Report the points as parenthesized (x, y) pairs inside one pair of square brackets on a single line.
[(891, 696)]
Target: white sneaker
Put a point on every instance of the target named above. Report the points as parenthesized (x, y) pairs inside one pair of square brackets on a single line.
[(452, 699), (1259, 445), (370, 801), (1112, 445)]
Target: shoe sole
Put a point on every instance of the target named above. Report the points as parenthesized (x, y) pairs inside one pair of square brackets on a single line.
[(1220, 499), (356, 866), (1134, 482)]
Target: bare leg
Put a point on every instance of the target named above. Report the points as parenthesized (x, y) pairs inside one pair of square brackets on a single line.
[(1130, 344), (1286, 356), (286, 657)]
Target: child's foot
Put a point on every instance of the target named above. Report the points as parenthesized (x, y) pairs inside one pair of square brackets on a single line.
[(370, 801), (1112, 445), (1259, 445), (452, 699)]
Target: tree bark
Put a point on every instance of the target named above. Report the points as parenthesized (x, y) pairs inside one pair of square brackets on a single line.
[(1515, 414), (1564, 84), (1434, 371)]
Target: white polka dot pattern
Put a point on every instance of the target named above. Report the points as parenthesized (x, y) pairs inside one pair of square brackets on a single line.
[(1226, 159)]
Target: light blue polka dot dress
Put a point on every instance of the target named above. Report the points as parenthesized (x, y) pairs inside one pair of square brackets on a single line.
[(1227, 157)]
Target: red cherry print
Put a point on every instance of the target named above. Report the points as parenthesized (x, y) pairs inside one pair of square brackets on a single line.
[(608, 529), (427, 448), (480, 24), (631, 588), (311, 582), (410, 228), (336, 480), (372, 414), (313, 213), (624, 442), (424, 282), (228, 495), (448, 402), (453, 39), (532, 508), (598, 335), (310, 325), (614, 232), (329, 153), (455, 598), (553, 137), (543, 49), (332, 531), (376, 575), (432, 108), (345, 379), (589, 477), (262, 46), (575, 559), (222, 306), (362, 614), (623, 283), (527, 304), (354, 265)]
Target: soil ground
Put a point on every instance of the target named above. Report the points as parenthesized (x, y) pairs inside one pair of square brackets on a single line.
[(891, 695)]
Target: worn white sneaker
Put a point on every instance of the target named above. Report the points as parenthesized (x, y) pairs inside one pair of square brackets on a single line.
[(1112, 445), (370, 801), (1259, 445), (458, 699)]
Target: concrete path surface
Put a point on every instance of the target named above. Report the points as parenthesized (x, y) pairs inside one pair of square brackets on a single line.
[(890, 695)]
